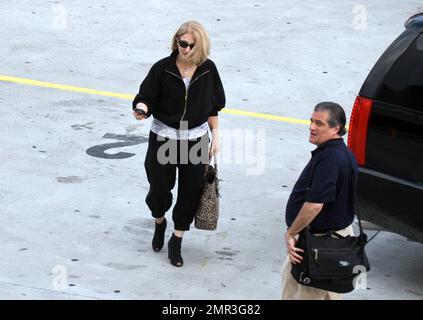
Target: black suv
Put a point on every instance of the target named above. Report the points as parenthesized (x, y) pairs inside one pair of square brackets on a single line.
[(386, 136)]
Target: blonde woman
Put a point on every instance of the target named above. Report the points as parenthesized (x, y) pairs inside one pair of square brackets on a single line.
[(183, 92)]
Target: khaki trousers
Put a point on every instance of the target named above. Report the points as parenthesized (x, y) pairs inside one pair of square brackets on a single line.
[(292, 290)]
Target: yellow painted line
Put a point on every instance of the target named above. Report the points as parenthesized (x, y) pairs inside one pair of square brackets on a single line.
[(44, 84), (64, 87), (264, 116)]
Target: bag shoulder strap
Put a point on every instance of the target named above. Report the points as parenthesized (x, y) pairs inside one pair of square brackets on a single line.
[(354, 188), (355, 201), (353, 183)]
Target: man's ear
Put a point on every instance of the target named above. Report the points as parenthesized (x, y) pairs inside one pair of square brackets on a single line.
[(336, 129)]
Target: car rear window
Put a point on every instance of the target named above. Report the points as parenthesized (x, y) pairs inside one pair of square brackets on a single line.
[(403, 85)]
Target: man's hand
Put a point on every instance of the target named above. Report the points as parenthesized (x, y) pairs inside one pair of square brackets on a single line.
[(290, 242)]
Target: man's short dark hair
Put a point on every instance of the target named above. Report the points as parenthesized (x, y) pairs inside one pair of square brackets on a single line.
[(336, 115)]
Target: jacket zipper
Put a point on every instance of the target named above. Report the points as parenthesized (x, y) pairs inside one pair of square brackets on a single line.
[(186, 90), (316, 252)]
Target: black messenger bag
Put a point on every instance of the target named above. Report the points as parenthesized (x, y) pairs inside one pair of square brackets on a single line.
[(330, 262)]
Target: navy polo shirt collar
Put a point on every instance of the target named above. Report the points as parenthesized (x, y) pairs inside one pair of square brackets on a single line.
[(332, 142)]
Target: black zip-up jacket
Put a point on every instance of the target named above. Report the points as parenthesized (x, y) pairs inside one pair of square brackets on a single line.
[(167, 99)]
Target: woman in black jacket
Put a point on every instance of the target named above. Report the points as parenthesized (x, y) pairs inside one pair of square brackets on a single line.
[(183, 93)]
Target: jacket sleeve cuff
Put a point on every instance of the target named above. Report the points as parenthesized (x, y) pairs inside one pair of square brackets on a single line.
[(138, 100), (215, 111)]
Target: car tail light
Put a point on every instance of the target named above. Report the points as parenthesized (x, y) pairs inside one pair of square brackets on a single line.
[(357, 131)]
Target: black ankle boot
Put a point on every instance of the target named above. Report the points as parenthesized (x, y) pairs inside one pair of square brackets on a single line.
[(159, 234), (174, 251)]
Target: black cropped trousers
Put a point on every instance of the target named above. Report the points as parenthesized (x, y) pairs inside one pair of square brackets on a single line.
[(164, 158)]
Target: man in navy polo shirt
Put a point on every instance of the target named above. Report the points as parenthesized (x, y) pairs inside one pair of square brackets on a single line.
[(323, 196)]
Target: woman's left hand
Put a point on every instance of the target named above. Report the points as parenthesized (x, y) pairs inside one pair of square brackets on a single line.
[(214, 148)]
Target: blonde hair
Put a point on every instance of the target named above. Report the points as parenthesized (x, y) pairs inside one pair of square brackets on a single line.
[(201, 50)]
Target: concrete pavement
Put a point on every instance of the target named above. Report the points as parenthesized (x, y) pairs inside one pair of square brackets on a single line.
[(75, 225)]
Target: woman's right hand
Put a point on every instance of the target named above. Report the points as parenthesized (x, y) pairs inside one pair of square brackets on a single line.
[(141, 106)]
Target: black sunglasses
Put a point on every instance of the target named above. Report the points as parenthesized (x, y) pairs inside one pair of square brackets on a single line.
[(184, 44)]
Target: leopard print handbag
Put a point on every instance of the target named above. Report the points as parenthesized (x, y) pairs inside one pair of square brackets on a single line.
[(207, 212)]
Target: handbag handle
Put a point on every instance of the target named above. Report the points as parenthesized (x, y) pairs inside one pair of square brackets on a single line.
[(214, 161)]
